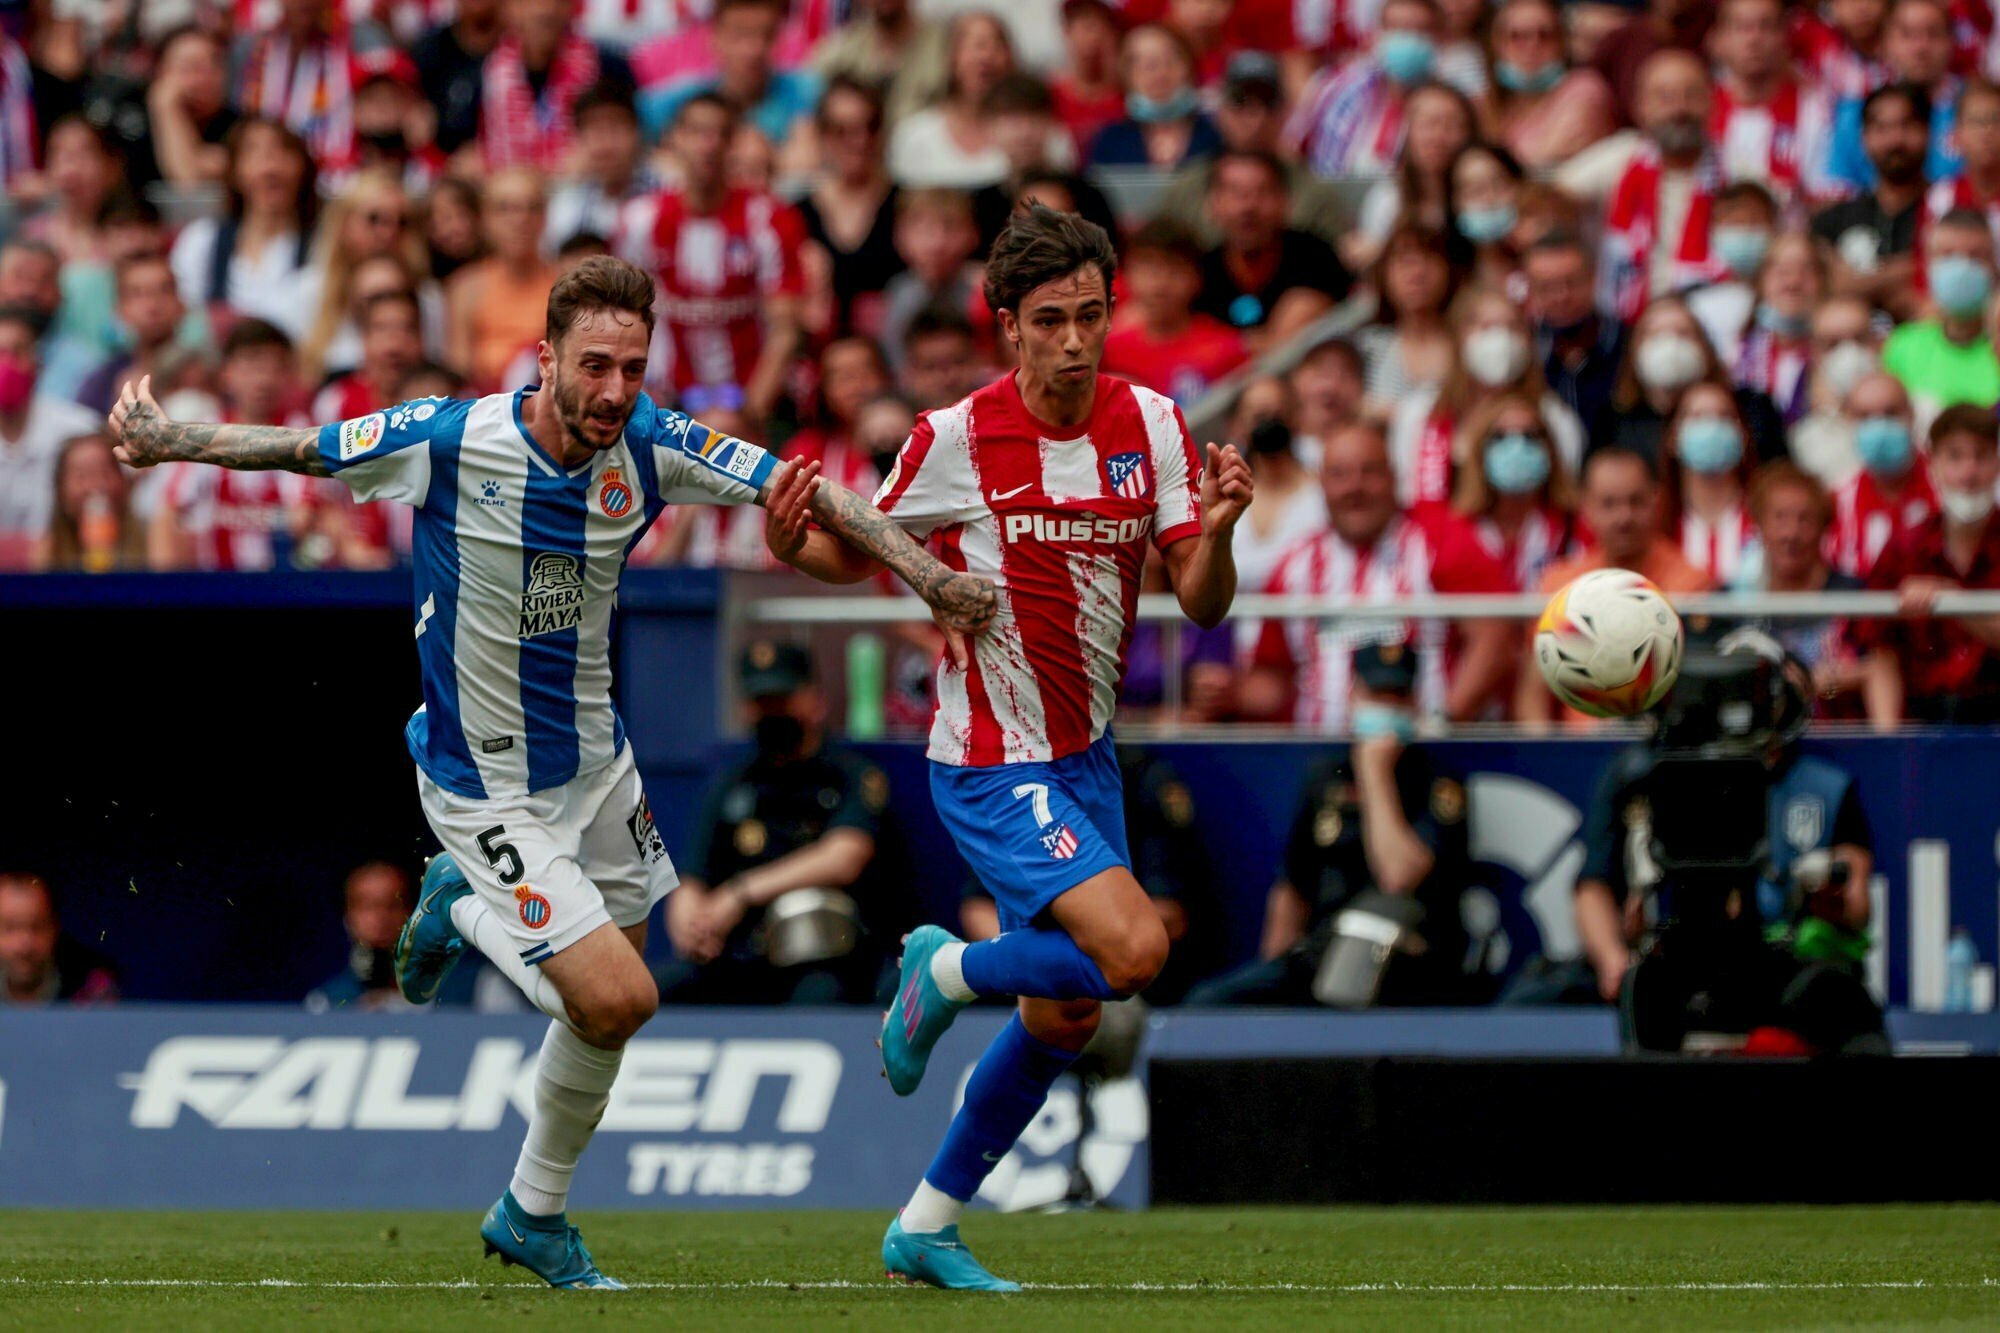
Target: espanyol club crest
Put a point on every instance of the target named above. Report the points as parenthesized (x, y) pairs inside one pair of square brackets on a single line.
[(614, 496), (1130, 475), (535, 909)]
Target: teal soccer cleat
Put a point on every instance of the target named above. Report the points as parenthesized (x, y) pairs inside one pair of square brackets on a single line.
[(548, 1247), (939, 1259), (430, 944), (921, 1012)]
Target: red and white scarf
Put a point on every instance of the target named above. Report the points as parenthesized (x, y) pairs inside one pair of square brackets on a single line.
[(1631, 228), (1782, 166), (516, 127), (309, 88), (1434, 460), (1778, 367), (17, 112)]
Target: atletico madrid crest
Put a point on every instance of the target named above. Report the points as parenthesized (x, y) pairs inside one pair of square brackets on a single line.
[(1130, 475), (1060, 842)]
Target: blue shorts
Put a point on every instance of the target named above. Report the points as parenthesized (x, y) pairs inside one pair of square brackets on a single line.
[(1033, 832)]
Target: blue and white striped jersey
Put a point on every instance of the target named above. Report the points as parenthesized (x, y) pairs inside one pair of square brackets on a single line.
[(517, 566)]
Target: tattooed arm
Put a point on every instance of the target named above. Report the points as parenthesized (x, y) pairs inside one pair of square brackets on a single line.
[(145, 436)]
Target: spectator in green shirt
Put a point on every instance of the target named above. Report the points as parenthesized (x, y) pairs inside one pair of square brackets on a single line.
[(1948, 359)]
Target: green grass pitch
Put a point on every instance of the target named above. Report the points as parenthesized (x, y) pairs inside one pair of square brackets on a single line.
[(1296, 1269)]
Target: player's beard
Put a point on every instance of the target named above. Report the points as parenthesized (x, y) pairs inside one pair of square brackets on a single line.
[(578, 421)]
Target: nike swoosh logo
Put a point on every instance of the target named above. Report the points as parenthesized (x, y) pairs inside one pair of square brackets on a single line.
[(997, 496), (517, 1235)]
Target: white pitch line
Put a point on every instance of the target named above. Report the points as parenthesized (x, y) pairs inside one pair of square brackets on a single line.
[(774, 1284)]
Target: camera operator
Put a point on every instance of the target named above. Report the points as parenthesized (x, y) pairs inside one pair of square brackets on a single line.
[(1377, 856)]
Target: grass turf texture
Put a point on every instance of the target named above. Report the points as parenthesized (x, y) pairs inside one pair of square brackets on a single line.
[(1401, 1268)]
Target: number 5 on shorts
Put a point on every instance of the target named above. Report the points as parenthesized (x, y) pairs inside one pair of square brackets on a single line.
[(498, 853)]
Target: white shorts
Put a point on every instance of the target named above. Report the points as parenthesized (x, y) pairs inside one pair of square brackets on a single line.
[(555, 865)]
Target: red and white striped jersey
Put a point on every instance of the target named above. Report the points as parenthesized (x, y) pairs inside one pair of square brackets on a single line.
[(1058, 518), (1414, 556), (1717, 549), (238, 521), (1865, 520), (715, 271)]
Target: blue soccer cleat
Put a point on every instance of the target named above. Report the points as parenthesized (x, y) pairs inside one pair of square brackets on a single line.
[(921, 1012), (430, 944), (548, 1247), (938, 1258)]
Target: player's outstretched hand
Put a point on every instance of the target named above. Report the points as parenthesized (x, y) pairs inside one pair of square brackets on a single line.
[(788, 512), (1226, 488), (135, 419)]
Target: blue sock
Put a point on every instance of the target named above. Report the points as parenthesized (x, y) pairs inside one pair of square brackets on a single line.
[(1041, 964), (1006, 1090)]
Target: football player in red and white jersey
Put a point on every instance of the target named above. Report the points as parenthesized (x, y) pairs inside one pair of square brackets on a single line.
[(1051, 481)]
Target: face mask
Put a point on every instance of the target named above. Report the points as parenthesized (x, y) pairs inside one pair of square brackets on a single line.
[(1516, 464), (1884, 445), (1683, 136), (1965, 507), (1710, 445), (1517, 80), (1148, 111), (1741, 249), (1405, 56), (1372, 720), (1667, 361), (1269, 436), (779, 736), (1483, 226), (1845, 364), (389, 143), (17, 385), (1772, 320), (1960, 285), (1495, 356)]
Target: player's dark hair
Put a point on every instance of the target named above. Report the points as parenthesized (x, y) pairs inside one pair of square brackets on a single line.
[(1039, 245), (249, 335), (1966, 419), (599, 283)]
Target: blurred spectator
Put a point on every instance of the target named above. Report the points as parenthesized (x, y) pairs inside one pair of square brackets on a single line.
[(798, 820), (450, 64), (1158, 339), (1264, 277), (1774, 350), (33, 426), (91, 526), (610, 167), (1976, 184), (1581, 348), (1917, 51), (299, 73), (1839, 50), (1461, 46), (1441, 122), (1947, 357), (1742, 221), (376, 901), (1656, 239), (85, 177), (1890, 494), (369, 220), (1249, 118), (188, 116), (1164, 126), (39, 964), (1667, 354), (1792, 514), (1349, 119), (1329, 383), (1379, 816), (940, 360), (1708, 482), (451, 227), (1484, 192), (1766, 126), (1409, 347), (778, 102), (392, 125), (254, 259), (1666, 25), (1291, 506), (1088, 89), (731, 281), (1022, 116), (887, 46), (881, 427), (498, 305), (1371, 553), (850, 216), (949, 143), (1539, 108), (1492, 355), (392, 345), (1923, 667), (150, 312), (530, 81), (1874, 235), (935, 237), (1846, 350), (1515, 487)]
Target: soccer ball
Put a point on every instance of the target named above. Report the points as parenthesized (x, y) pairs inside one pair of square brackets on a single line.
[(1608, 644)]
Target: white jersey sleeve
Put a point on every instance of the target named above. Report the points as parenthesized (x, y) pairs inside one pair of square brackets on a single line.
[(933, 483), (697, 465), (387, 455), (1176, 467)]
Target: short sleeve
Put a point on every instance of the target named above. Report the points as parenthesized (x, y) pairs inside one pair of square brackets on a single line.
[(1177, 469), (387, 455), (916, 492), (697, 465), (1461, 564)]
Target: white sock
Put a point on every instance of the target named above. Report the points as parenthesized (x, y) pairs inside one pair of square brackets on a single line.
[(948, 971), (572, 1085), (930, 1210), (475, 921)]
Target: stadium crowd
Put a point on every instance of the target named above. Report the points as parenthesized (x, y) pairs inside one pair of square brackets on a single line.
[(1701, 289)]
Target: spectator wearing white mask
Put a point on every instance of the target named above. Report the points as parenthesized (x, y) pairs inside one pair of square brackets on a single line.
[(1847, 349)]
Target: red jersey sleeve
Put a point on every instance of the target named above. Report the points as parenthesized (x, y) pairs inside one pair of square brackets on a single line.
[(1177, 470), (781, 272)]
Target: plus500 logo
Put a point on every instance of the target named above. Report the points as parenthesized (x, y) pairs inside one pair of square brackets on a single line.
[(1081, 529)]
